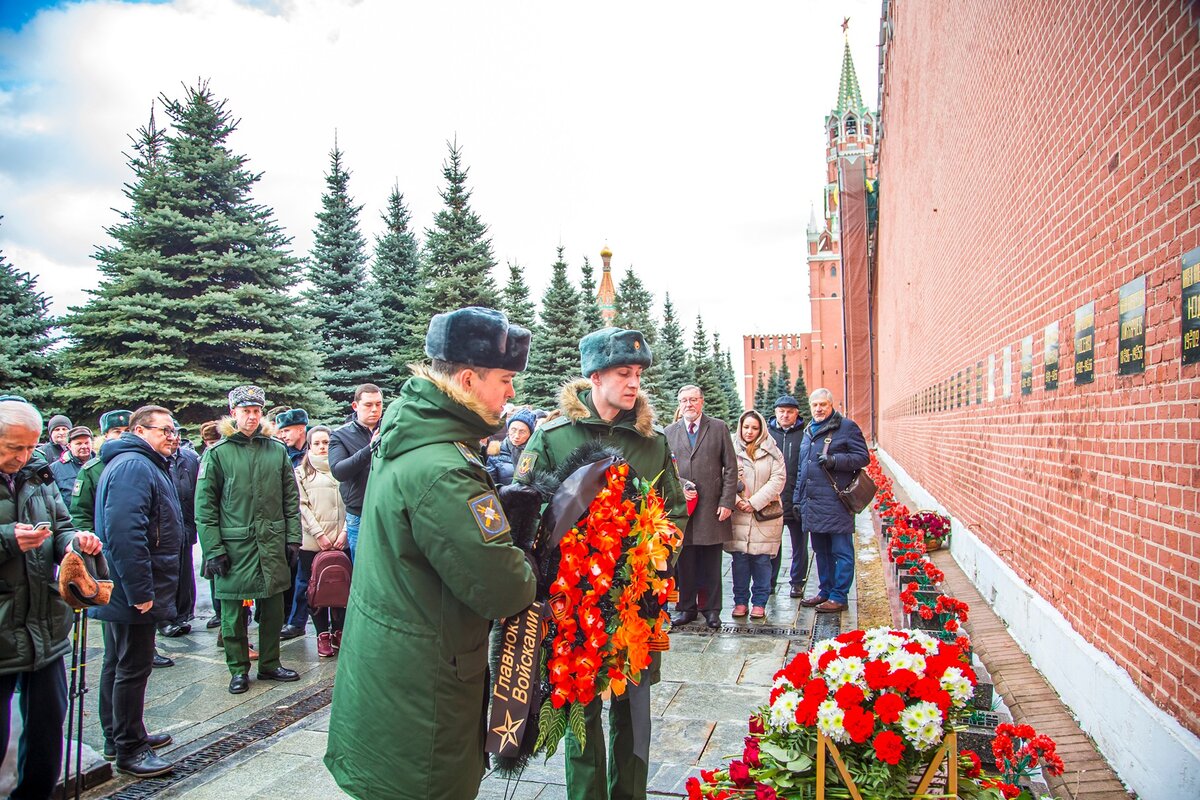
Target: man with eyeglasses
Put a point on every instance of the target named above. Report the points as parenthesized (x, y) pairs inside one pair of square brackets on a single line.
[(139, 521)]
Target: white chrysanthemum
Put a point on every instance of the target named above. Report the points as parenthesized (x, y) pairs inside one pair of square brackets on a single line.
[(822, 647), (902, 659), (879, 645), (830, 721), (925, 640), (781, 720), (845, 670), (921, 724), (957, 684), (789, 701), (782, 683)]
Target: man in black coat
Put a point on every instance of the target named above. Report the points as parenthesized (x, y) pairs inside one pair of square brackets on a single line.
[(140, 523), (350, 455), (833, 450), (185, 468), (66, 468), (787, 429)]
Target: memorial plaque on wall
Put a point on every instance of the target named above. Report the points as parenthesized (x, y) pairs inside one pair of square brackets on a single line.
[(1085, 343), (1131, 348), (991, 377), (1027, 365), (979, 383), (1191, 307), (1050, 365), (1006, 370)]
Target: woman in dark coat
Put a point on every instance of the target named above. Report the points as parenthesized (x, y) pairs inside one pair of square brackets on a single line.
[(502, 464)]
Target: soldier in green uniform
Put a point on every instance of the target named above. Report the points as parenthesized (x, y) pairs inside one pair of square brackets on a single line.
[(248, 522), (83, 496), (435, 565), (609, 406)]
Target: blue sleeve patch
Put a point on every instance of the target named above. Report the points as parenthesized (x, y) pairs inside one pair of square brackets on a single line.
[(489, 516)]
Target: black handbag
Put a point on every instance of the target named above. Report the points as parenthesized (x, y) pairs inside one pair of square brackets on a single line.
[(860, 491)]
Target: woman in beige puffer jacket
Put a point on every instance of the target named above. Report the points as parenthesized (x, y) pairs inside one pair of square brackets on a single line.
[(761, 476), (323, 523)]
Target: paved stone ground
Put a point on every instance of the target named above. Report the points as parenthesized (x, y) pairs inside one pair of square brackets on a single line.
[(711, 683)]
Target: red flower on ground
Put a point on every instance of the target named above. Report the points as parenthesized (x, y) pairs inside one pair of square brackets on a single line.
[(764, 792), (739, 773), (889, 747), (751, 755), (693, 788), (756, 725)]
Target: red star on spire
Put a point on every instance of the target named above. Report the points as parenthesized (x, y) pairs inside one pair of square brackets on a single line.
[(845, 25)]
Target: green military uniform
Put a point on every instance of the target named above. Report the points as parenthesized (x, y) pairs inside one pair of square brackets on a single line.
[(248, 508), (83, 496), (435, 565), (644, 446)]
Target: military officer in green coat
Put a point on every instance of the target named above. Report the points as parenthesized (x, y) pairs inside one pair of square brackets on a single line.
[(609, 406), (83, 496), (248, 522), (435, 565)]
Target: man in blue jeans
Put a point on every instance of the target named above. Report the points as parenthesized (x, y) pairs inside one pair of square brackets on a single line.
[(832, 451), (350, 455)]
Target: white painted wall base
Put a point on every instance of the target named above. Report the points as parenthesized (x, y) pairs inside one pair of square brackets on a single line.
[(1152, 753)]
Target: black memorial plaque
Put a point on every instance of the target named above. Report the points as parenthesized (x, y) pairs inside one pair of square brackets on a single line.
[(1085, 343), (1027, 365), (1050, 365), (1191, 307), (1131, 348)]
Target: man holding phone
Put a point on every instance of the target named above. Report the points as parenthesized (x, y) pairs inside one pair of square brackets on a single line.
[(35, 532)]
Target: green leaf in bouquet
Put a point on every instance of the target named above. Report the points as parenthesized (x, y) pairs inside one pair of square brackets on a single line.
[(578, 727), (552, 727), (781, 754), (803, 763)]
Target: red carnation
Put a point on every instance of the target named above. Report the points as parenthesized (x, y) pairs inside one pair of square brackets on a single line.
[(902, 679), (888, 706), (764, 792), (889, 747), (826, 657), (859, 724), (854, 649), (849, 695), (976, 763), (876, 674), (806, 712), (817, 690), (693, 789), (739, 773)]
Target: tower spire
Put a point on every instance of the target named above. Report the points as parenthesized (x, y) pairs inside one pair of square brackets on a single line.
[(849, 94)]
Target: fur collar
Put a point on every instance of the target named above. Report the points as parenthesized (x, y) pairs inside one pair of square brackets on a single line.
[(228, 427), (456, 393), (574, 409)]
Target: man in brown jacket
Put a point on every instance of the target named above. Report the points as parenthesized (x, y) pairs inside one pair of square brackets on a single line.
[(704, 453)]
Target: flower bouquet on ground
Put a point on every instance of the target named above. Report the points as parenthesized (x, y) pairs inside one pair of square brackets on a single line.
[(604, 551), (935, 528)]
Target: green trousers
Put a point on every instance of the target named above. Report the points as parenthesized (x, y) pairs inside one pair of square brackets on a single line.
[(589, 775), (237, 640)]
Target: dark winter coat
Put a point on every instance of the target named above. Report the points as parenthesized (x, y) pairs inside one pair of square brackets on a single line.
[(51, 451), (789, 442), (435, 564), (502, 465), (66, 470), (712, 466), (295, 456), (139, 521), (34, 620), (248, 508), (820, 508), (350, 463), (185, 467)]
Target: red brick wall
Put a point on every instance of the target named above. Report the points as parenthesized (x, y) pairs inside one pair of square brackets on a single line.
[(1003, 209)]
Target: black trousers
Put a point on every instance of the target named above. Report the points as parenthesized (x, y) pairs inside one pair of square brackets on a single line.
[(128, 656), (185, 595), (324, 619), (43, 707), (698, 577), (799, 567)]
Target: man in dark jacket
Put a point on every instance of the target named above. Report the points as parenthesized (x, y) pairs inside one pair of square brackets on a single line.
[(58, 428), (291, 428), (832, 451), (66, 468), (350, 455), (248, 521), (787, 429), (704, 452), (34, 620), (139, 521), (185, 466)]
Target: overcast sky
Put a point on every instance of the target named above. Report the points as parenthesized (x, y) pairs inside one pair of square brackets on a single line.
[(688, 136)]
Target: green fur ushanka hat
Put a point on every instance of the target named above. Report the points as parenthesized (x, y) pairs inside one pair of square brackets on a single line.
[(611, 347), (295, 416), (118, 418), (478, 337)]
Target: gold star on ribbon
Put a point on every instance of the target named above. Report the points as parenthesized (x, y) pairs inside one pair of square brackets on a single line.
[(508, 730)]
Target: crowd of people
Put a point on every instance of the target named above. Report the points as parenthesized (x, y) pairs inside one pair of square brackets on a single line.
[(416, 500)]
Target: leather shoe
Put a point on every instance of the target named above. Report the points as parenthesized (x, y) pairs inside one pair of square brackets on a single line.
[(278, 674), (171, 630), (683, 618), (155, 740), (712, 619), (797, 590), (815, 600), (161, 660), (290, 632), (239, 684), (831, 606), (146, 764), (213, 622)]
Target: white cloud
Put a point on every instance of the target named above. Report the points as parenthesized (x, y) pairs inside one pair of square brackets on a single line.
[(688, 136)]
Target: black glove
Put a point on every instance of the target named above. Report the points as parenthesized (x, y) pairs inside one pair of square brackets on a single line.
[(825, 461), (293, 554), (217, 567), (796, 513), (522, 505)]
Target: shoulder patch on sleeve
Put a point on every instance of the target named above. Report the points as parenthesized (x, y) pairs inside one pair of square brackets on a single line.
[(77, 488), (468, 454), (525, 465), (203, 467), (489, 516)]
